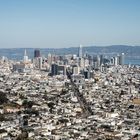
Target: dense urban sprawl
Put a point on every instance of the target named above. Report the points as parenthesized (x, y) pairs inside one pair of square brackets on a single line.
[(69, 98)]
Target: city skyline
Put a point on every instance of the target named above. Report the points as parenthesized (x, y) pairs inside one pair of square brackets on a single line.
[(62, 24)]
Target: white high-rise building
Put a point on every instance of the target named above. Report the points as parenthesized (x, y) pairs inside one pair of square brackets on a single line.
[(49, 59), (40, 63), (80, 52), (121, 60), (25, 58), (81, 63), (115, 60)]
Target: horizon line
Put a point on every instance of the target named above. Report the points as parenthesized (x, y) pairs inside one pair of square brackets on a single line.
[(68, 47)]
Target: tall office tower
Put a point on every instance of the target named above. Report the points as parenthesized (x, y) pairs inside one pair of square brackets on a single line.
[(101, 59), (36, 53), (40, 62), (98, 61), (81, 63), (86, 62), (121, 59), (49, 59), (58, 69), (116, 60), (90, 60), (25, 58), (80, 52), (54, 69)]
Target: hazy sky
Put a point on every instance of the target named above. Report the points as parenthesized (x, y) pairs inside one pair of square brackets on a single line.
[(68, 23)]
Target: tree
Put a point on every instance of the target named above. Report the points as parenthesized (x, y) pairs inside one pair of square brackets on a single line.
[(2, 118), (3, 98), (28, 104)]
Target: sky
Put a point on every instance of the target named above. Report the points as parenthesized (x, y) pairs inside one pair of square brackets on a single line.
[(68, 23)]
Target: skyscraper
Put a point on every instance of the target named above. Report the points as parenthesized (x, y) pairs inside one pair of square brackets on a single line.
[(58, 69), (49, 59), (80, 52), (54, 69), (40, 62), (101, 59), (25, 58), (36, 53), (121, 59)]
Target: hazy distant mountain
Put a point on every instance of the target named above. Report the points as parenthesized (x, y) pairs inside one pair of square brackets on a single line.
[(130, 51)]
